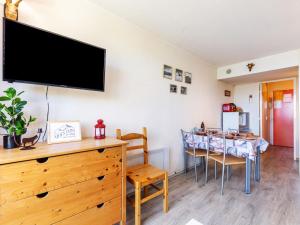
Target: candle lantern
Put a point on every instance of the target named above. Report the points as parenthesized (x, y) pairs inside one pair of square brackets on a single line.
[(100, 130)]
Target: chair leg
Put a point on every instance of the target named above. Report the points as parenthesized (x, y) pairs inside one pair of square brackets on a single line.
[(206, 169), (223, 173), (137, 205), (227, 173), (195, 167), (204, 163), (185, 162), (166, 193), (216, 167)]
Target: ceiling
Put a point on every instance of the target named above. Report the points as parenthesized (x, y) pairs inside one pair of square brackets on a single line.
[(264, 76), (219, 31)]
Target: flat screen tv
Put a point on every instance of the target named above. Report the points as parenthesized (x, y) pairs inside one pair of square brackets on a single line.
[(32, 55)]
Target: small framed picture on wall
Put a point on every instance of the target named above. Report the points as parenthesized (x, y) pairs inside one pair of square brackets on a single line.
[(179, 75), (173, 88), (168, 72), (64, 131), (187, 77), (183, 90), (227, 93)]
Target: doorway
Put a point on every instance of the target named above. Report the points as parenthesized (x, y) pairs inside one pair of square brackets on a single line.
[(278, 112)]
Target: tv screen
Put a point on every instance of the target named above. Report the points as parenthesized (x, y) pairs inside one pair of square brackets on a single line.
[(32, 55)]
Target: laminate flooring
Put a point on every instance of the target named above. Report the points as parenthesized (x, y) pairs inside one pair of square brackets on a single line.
[(273, 201)]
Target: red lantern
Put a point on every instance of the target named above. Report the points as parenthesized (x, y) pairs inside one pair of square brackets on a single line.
[(100, 130)]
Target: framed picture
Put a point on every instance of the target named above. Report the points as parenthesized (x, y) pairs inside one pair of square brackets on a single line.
[(168, 72), (183, 90), (64, 131), (173, 88), (187, 77), (227, 93), (178, 75)]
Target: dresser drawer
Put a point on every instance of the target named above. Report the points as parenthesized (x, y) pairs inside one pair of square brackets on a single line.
[(25, 179), (54, 206), (107, 213)]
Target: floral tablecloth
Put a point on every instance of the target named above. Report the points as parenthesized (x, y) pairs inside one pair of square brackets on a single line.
[(240, 148)]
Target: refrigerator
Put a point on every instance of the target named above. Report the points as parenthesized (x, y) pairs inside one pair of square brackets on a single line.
[(235, 121)]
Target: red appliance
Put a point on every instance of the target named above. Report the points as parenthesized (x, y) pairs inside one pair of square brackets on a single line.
[(100, 130), (229, 107)]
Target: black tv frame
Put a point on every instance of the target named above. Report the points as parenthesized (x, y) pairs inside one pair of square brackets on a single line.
[(41, 83)]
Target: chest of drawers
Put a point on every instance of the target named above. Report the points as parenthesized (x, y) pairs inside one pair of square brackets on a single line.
[(80, 183)]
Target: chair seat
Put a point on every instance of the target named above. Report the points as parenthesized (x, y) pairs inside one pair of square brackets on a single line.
[(198, 152), (145, 174), (229, 159)]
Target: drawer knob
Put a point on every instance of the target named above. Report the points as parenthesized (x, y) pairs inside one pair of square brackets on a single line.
[(42, 195), (100, 178), (100, 205), (42, 160), (101, 150)]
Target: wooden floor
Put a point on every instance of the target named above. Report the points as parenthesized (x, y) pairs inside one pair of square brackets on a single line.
[(274, 201)]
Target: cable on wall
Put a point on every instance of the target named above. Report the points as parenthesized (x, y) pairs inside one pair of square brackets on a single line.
[(47, 117)]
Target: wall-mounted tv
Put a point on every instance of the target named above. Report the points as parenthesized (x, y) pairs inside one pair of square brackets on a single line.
[(32, 55)]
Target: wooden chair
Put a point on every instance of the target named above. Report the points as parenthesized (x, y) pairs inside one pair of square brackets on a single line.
[(144, 175), (191, 150), (225, 160)]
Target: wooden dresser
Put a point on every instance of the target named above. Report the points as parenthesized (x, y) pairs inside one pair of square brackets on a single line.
[(78, 183)]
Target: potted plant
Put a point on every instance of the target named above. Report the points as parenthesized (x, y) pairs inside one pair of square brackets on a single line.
[(12, 118)]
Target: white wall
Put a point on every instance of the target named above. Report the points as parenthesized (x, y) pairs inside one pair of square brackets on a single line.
[(241, 99), (136, 94)]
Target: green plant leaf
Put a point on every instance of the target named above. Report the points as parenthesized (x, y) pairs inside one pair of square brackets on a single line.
[(10, 92), (21, 104), (4, 98), (32, 119), (11, 130), (20, 131), (16, 101), (19, 124), (12, 118), (9, 110), (20, 93)]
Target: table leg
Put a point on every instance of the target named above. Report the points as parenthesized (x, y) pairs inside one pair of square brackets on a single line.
[(248, 176), (257, 165)]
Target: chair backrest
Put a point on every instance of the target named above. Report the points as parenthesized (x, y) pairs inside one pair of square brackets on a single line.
[(187, 139), (133, 137), (217, 140)]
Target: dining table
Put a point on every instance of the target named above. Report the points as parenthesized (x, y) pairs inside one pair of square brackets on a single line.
[(249, 148)]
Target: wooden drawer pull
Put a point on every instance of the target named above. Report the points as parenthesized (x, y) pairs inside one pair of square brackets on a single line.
[(101, 150), (42, 195), (100, 205), (42, 160), (100, 178)]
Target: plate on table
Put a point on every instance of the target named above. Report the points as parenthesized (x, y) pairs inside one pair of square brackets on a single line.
[(201, 133), (229, 136), (251, 138)]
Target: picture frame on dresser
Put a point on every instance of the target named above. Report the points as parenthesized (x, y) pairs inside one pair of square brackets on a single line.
[(64, 131)]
